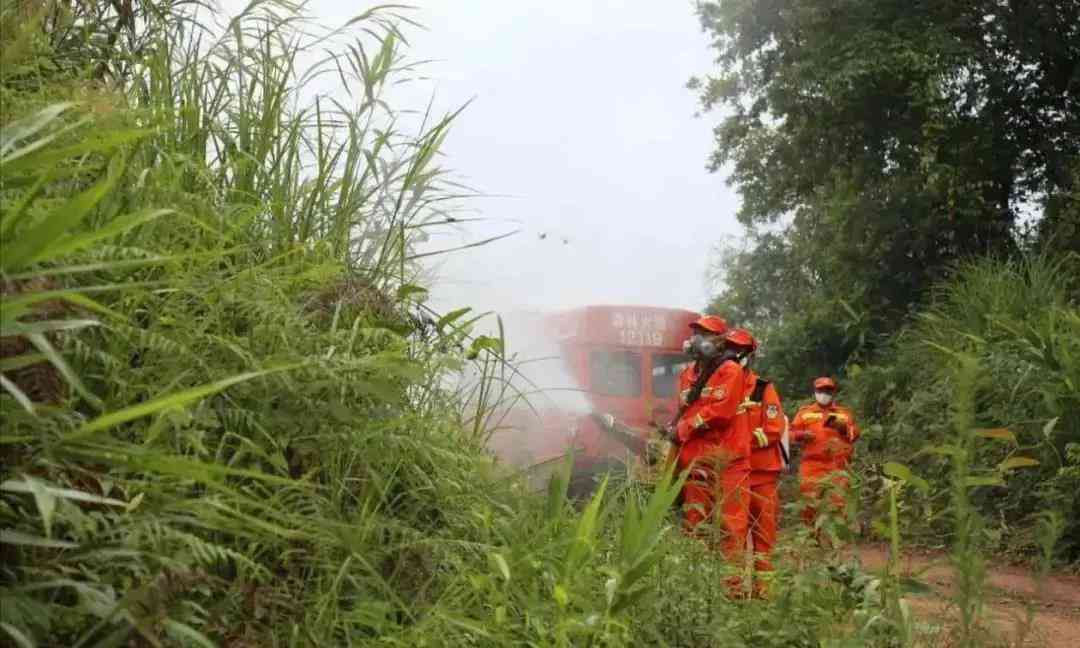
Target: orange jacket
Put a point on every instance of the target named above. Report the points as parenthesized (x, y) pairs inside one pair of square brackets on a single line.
[(825, 444), (763, 416), (707, 426)]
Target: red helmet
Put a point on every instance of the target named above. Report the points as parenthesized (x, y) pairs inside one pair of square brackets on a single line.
[(740, 337), (825, 384), (710, 323)]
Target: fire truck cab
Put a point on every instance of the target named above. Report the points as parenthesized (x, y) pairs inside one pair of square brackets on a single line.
[(626, 361)]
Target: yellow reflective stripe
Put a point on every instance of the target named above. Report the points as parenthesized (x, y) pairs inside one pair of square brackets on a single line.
[(698, 421), (762, 440), (719, 393)]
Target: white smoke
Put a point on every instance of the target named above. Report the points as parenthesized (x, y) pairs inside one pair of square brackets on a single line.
[(535, 400), (540, 369)]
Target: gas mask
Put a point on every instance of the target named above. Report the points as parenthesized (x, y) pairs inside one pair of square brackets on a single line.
[(823, 398), (700, 346)]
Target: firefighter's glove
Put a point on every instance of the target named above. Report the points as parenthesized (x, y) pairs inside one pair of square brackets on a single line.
[(760, 439), (683, 431), (686, 428), (608, 419)]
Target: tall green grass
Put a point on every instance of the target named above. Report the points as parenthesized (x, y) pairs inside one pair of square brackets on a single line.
[(1019, 321), (247, 441)]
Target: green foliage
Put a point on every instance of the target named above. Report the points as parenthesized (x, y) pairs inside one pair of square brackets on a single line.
[(809, 327), (837, 105), (215, 428), (1020, 322), (884, 153), (876, 143)]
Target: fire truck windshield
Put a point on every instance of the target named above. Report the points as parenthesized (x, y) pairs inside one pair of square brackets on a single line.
[(615, 373), (665, 373)]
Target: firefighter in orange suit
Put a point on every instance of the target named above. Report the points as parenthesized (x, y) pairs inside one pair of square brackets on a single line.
[(828, 433), (760, 416), (712, 447)]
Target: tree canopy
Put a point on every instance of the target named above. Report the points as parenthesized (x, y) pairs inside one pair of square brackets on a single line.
[(876, 142)]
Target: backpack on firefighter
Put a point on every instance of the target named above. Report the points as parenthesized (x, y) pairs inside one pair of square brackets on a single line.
[(756, 396)]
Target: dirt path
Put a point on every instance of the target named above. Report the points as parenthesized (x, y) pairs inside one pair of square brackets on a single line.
[(1012, 589)]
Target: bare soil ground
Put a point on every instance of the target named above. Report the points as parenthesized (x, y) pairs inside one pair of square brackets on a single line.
[(1013, 593)]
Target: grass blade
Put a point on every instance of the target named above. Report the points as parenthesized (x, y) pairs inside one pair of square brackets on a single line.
[(171, 401), (39, 241)]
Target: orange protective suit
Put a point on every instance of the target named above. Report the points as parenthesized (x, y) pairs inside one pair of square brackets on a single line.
[(827, 451), (763, 415), (718, 454)]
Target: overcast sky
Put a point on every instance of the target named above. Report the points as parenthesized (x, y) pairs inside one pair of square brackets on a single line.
[(580, 128), (582, 116)]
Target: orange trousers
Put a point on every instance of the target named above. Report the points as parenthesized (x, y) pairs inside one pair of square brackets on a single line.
[(813, 478), (764, 514), (731, 487)]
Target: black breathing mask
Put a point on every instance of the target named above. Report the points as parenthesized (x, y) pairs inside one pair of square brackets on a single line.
[(701, 347)]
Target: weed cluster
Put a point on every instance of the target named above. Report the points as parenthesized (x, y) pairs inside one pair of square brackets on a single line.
[(1018, 323)]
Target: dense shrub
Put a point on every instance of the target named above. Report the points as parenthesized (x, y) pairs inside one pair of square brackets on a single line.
[(1021, 323)]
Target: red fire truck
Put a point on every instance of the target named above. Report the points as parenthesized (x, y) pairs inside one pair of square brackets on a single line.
[(626, 362)]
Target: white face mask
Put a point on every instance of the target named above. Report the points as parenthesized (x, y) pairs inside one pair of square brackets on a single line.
[(823, 398)]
